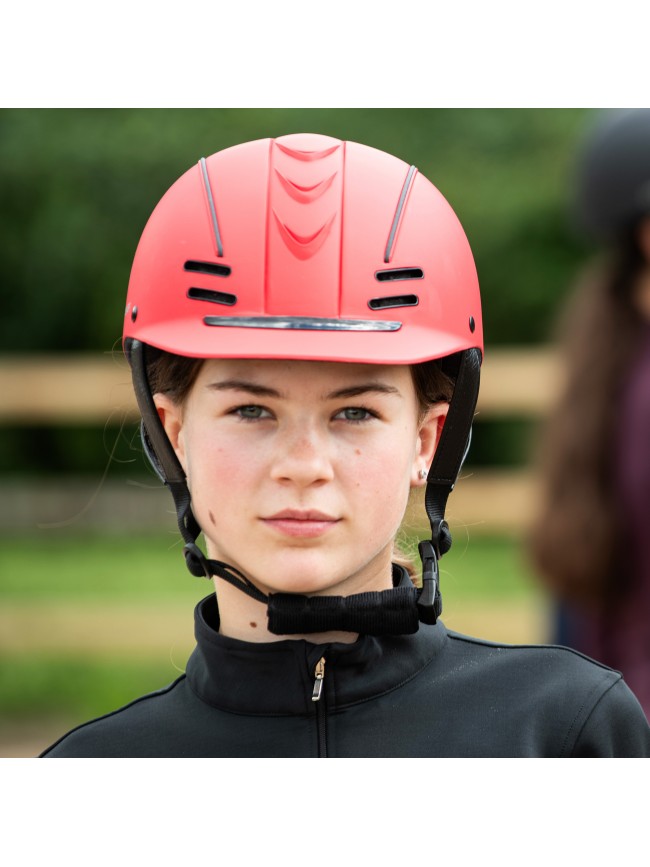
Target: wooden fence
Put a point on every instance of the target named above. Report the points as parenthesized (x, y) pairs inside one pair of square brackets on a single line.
[(517, 382)]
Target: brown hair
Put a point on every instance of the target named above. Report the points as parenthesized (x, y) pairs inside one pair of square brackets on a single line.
[(573, 541), (175, 375)]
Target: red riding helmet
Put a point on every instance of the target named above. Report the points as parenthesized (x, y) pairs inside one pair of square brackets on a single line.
[(307, 247)]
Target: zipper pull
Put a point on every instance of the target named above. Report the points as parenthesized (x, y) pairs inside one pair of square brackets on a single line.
[(319, 674)]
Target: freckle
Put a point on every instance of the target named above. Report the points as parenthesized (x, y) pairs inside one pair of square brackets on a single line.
[(212, 518), (254, 625), (357, 451)]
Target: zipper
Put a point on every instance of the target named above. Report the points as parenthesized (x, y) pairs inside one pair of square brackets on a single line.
[(319, 676), (321, 711)]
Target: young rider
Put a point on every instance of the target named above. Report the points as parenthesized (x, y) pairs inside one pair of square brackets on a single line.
[(303, 325)]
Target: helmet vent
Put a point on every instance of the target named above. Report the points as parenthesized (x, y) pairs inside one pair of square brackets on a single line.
[(399, 274), (210, 295), (393, 301), (208, 268)]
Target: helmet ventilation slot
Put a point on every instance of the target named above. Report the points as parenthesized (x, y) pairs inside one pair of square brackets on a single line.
[(211, 295), (393, 301), (208, 268), (399, 274)]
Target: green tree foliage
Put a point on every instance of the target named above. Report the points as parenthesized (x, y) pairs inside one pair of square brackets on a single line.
[(78, 185)]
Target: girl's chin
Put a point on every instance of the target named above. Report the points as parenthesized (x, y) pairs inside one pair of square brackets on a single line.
[(307, 581), (329, 584), (308, 586), (309, 573)]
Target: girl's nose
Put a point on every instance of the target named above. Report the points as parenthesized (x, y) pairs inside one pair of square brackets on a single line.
[(303, 459)]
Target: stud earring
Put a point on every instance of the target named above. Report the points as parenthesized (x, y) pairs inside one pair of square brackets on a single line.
[(422, 474)]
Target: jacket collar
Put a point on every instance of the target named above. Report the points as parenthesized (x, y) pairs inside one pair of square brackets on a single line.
[(277, 678)]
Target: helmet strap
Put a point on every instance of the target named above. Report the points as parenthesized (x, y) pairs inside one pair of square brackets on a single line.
[(442, 476), (162, 458)]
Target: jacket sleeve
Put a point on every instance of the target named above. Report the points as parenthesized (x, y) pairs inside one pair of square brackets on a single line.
[(616, 727)]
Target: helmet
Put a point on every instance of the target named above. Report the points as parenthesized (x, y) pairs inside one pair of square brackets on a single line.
[(307, 247), (613, 174)]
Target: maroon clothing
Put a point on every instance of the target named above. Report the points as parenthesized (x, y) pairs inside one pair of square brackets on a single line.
[(621, 637), (629, 643)]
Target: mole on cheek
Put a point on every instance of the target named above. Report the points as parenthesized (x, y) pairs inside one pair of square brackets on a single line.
[(254, 625)]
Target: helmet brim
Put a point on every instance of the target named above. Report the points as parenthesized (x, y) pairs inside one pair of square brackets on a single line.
[(406, 345)]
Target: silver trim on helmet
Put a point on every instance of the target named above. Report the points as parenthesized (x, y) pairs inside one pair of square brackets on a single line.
[(303, 323), (398, 213), (213, 212)]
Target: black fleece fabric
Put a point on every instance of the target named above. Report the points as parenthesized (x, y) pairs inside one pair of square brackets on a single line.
[(431, 694)]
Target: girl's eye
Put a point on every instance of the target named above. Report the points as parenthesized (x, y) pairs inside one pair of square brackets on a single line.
[(251, 412), (355, 413)]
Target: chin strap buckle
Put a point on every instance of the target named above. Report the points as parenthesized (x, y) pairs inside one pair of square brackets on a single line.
[(196, 561), (429, 600)]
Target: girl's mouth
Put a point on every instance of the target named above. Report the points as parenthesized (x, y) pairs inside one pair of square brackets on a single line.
[(307, 523)]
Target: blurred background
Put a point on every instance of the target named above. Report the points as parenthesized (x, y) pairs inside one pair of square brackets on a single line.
[(95, 601)]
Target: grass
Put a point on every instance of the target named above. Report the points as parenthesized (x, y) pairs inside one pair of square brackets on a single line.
[(70, 568), (73, 572), (67, 567), (78, 689)]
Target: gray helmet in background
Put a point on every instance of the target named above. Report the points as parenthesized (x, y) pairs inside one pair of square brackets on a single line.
[(612, 180)]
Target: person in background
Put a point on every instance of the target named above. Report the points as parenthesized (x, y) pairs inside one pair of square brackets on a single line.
[(590, 542)]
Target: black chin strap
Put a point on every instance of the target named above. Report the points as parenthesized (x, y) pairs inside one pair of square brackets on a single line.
[(384, 612), (201, 567), (442, 476), (397, 611)]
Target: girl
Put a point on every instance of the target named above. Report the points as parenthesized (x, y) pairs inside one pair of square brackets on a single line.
[(303, 324)]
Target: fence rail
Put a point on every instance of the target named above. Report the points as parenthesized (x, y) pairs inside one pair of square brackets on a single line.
[(91, 388), (39, 390)]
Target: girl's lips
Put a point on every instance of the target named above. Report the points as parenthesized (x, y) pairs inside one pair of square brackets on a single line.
[(307, 524)]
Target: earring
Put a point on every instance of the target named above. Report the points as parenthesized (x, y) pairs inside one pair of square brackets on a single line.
[(422, 474)]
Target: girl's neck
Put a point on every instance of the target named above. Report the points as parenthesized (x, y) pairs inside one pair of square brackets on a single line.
[(245, 619)]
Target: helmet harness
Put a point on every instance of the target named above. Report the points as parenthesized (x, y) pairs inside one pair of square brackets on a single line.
[(306, 229)]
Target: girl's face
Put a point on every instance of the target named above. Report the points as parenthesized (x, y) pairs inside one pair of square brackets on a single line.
[(299, 470)]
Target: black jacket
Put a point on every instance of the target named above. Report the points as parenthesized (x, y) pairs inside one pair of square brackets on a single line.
[(435, 693)]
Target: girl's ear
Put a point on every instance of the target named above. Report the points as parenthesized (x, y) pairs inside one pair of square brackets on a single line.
[(171, 418), (427, 442)]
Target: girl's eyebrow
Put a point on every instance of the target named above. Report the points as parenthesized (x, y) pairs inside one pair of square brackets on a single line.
[(266, 391), (244, 385), (364, 388)]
